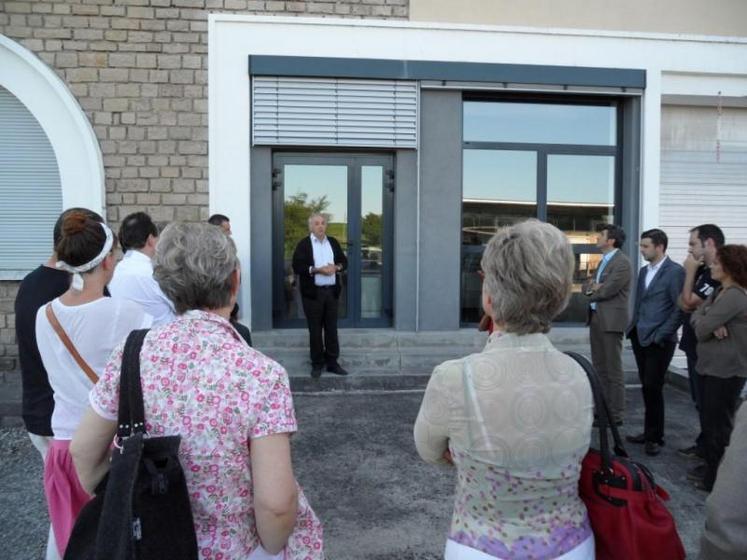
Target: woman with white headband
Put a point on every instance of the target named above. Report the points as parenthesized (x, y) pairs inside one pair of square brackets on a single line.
[(76, 333)]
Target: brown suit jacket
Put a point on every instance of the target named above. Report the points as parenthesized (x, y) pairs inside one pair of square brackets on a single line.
[(612, 297)]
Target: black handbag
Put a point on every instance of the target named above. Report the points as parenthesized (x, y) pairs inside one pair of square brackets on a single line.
[(141, 509)]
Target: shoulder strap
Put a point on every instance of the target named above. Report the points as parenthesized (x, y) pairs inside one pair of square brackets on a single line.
[(131, 415), (69, 345), (603, 413)]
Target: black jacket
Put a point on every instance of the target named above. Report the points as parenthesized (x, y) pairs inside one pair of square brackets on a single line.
[(303, 259)]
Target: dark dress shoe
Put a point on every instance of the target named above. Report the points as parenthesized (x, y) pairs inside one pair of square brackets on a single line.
[(316, 372), (700, 485), (692, 452), (337, 369), (697, 473), (640, 438), (595, 424), (652, 448)]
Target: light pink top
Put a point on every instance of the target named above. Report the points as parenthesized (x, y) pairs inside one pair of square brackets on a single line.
[(201, 380)]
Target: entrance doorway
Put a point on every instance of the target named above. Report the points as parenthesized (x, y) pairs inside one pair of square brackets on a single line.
[(355, 193)]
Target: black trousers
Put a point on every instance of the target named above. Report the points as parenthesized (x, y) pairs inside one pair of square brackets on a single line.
[(720, 401), (696, 392), (321, 319), (653, 362)]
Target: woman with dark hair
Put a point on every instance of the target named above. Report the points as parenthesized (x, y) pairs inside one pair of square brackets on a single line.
[(76, 333), (721, 329)]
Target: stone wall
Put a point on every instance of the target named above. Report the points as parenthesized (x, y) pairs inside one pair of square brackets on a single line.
[(138, 68)]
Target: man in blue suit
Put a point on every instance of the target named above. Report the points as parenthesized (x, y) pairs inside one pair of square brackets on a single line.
[(653, 331)]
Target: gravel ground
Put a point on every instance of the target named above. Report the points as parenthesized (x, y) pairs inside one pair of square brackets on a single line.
[(355, 458)]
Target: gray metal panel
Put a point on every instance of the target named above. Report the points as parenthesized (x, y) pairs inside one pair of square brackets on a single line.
[(30, 190), (405, 239), (260, 205), (321, 67), (440, 209), (631, 182), (334, 112)]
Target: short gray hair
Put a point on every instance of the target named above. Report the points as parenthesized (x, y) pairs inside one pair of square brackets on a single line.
[(317, 215), (193, 265), (528, 274)]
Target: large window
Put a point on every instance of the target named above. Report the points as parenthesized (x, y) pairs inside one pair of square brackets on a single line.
[(547, 159)]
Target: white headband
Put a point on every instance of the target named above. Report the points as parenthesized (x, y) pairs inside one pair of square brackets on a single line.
[(77, 283)]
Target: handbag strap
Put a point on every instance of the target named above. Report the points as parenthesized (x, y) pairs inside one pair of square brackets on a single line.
[(69, 345), (131, 415), (604, 417)]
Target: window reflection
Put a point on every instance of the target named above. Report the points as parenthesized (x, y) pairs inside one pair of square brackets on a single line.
[(499, 189), (539, 123), (310, 189)]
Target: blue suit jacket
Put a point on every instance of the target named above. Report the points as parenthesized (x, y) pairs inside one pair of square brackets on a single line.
[(656, 315)]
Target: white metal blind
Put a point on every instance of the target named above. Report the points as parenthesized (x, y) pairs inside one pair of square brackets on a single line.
[(700, 182), (30, 191), (334, 112)]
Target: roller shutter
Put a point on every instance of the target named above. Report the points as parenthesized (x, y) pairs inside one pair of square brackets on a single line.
[(30, 191), (334, 112), (702, 181)]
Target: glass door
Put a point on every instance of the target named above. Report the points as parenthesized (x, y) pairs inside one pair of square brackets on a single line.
[(354, 192)]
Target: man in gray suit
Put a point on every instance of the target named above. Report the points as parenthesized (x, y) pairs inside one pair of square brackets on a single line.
[(653, 331), (608, 316)]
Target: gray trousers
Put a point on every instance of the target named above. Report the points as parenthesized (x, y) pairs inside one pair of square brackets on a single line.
[(606, 355)]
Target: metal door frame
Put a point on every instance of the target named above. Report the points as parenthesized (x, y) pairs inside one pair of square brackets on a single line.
[(352, 278)]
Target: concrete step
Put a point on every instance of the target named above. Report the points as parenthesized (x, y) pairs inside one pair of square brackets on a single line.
[(390, 338)]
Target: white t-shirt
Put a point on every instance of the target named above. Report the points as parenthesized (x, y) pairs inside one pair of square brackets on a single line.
[(94, 328), (133, 280)]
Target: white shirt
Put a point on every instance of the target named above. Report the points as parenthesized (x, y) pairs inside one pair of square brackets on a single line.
[(323, 255), (94, 328), (652, 270), (133, 280)]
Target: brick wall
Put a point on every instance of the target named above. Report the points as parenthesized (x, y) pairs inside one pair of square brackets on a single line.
[(138, 68)]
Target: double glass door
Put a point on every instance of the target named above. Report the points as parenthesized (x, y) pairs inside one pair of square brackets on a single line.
[(354, 193)]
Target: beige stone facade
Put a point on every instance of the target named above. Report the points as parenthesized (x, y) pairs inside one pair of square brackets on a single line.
[(138, 69), (692, 17)]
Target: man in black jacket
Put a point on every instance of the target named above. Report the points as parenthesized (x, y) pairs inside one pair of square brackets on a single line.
[(318, 260)]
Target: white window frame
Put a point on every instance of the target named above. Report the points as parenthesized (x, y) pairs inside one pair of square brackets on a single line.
[(73, 140)]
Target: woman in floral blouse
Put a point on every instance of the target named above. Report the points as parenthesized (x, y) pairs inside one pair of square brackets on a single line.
[(515, 419), (231, 404)]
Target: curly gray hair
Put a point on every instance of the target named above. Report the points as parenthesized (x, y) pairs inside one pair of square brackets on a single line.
[(528, 275), (193, 266)]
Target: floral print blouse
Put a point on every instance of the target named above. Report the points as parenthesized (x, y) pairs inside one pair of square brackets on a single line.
[(201, 380), (517, 421)]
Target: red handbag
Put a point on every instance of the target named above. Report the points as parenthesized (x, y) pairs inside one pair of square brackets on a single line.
[(626, 507)]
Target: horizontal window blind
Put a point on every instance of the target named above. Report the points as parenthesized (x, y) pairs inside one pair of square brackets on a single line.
[(334, 112), (30, 191)]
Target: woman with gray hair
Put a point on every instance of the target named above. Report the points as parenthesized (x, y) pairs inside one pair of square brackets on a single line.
[(515, 419), (231, 405)]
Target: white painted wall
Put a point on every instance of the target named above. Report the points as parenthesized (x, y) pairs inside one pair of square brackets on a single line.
[(233, 38)]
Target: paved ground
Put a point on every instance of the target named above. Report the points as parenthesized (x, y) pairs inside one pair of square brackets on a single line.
[(356, 460)]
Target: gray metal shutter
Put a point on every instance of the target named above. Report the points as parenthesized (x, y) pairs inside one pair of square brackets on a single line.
[(698, 183), (334, 112), (30, 191)]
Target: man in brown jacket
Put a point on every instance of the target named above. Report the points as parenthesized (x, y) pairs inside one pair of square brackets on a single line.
[(608, 293)]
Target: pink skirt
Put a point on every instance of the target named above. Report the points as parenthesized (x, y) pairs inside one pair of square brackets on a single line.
[(65, 495)]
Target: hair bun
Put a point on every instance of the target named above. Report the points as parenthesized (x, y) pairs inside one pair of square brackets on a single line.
[(75, 222)]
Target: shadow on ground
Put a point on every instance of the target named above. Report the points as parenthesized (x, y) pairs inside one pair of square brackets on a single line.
[(355, 458)]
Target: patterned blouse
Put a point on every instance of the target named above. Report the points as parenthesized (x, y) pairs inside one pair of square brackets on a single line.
[(517, 420), (201, 380)]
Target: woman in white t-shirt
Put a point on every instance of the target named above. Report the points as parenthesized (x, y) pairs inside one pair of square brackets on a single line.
[(84, 322)]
